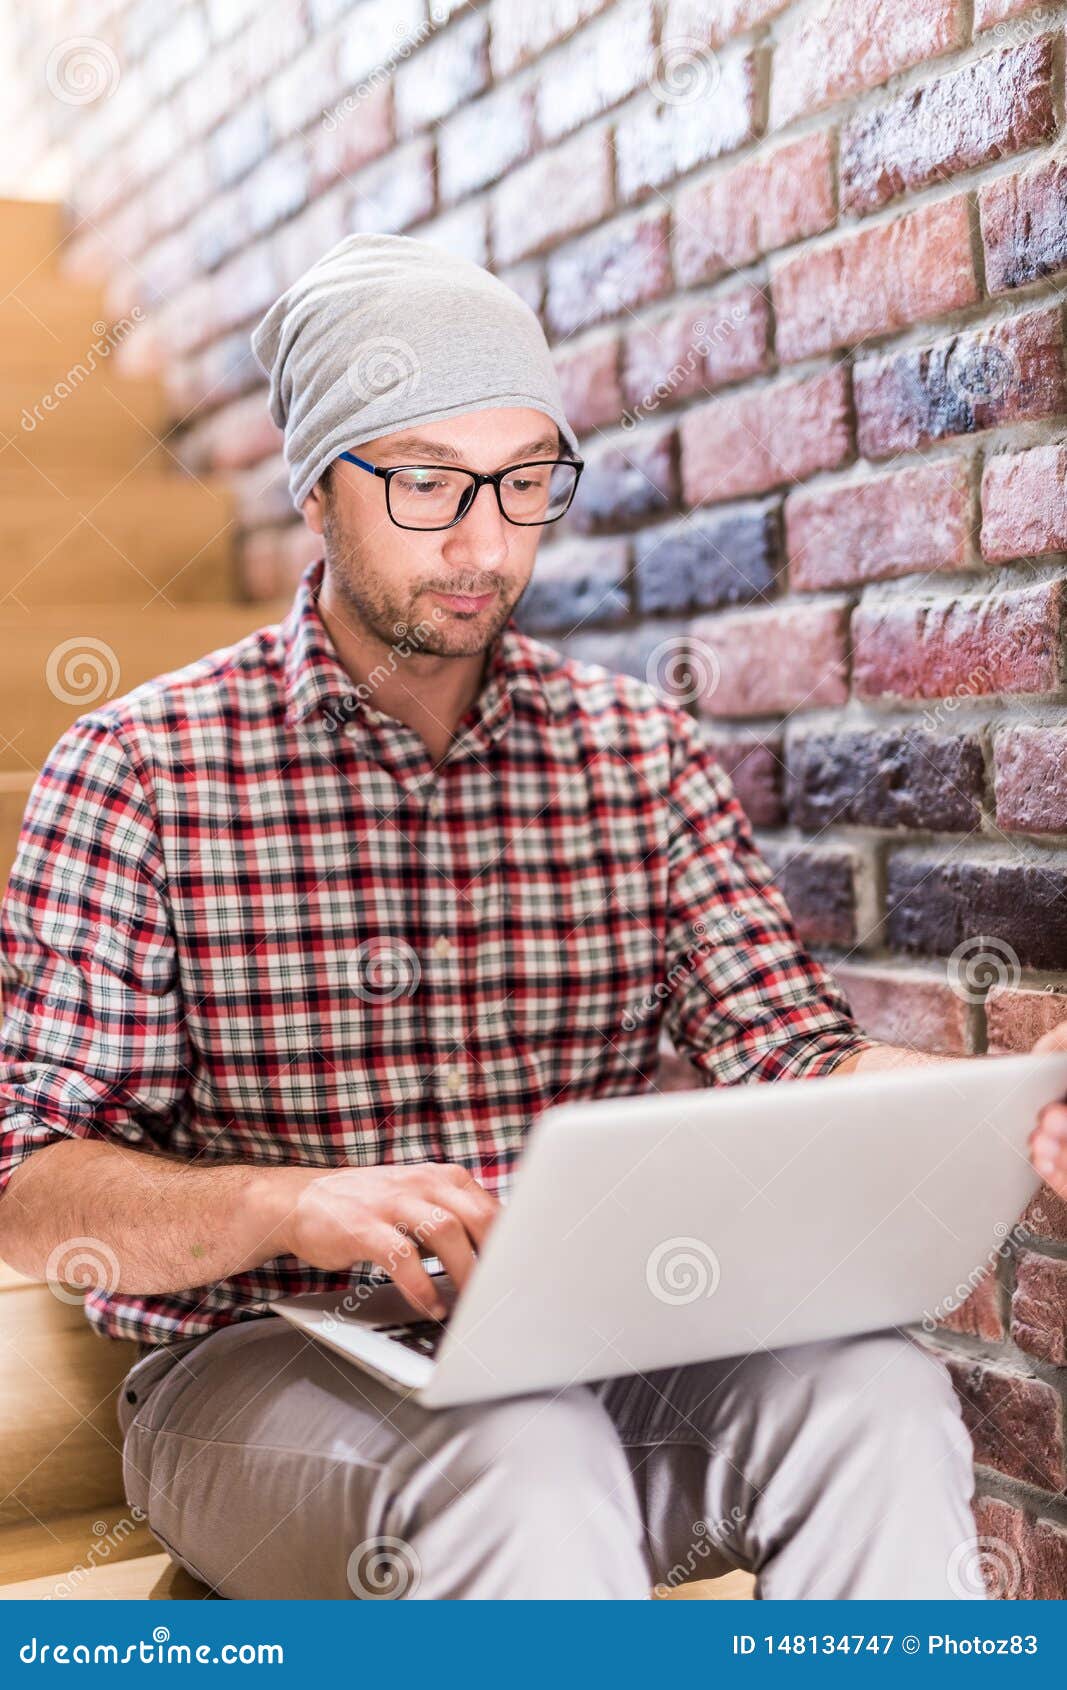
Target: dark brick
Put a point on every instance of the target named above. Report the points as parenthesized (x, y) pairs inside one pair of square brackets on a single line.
[(622, 487), (819, 885), (1012, 372), (901, 778), (708, 560), (576, 584), (935, 904), (996, 106)]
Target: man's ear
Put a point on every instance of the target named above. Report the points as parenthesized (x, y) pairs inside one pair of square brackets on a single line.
[(314, 507)]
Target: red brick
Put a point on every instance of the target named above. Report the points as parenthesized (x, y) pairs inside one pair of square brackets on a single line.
[(596, 69), (979, 1313), (767, 201), (1030, 772), (1024, 504), (901, 1006), (687, 21), (844, 46), (1039, 1307), (242, 433), (989, 12), (520, 33), (763, 662), (755, 768), (916, 519), (1045, 1216), (1010, 372), (1017, 1016), (482, 141), (916, 267), (764, 437), (695, 349), (610, 271), (351, 139), (660, 140), (555, 195), (1023, 226), (1000, 643), (1022, 1559), (985, 111), (1016, 1422), (589, 382)]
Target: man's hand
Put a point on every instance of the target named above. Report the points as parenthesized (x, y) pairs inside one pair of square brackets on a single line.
[(391, 1216), (1048, 1141)]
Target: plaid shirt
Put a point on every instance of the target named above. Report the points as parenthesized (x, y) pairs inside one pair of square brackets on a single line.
[(249, 920)]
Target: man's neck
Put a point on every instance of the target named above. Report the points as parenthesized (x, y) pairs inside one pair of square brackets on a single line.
[(427, 693)]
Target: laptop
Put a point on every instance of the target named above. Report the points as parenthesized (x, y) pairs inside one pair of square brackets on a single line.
[(656, 1230)]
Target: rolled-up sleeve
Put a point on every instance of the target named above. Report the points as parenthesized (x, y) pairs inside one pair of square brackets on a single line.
[(93, 1041), (746, 1000)]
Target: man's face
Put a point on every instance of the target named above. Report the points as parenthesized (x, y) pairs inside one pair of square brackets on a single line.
[(448, 591)]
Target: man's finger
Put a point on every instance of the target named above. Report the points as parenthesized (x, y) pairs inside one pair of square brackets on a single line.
[(441, 1233), (398, 1256)]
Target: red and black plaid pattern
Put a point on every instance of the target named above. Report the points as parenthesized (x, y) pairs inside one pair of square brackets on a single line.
[(249, 920)]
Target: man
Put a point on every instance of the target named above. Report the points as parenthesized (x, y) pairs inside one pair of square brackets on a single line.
[(301, 937)]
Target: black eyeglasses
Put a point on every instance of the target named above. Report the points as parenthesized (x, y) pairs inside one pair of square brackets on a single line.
[(433, 496)]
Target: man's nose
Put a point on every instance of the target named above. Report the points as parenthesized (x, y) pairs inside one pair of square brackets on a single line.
[(482, 531)]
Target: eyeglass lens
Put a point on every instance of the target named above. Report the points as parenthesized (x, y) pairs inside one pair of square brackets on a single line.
[(430, 497)]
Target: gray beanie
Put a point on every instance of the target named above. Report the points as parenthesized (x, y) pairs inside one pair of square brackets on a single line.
[(385, 332)]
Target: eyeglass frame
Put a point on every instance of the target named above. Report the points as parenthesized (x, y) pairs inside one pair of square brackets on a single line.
[(479, 481)]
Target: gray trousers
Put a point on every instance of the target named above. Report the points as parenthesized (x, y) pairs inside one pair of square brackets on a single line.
[(270, 1467)]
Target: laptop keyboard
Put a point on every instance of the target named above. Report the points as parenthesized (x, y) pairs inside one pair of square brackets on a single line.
[(423, 1336)]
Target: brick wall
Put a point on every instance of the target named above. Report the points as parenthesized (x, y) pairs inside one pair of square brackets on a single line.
[(802, 266)]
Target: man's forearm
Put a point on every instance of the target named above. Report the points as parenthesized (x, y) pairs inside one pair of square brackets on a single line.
[(879, 1057), (165, 1225)]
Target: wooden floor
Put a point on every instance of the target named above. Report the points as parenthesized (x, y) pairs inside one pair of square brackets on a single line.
[(65, 1528)]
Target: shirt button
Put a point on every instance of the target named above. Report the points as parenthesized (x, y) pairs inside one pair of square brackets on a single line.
[(455, 1079), (442, 946), (434, 805)]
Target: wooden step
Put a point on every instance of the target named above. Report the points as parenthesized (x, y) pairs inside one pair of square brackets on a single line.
[(49, 325), (59, 1381), (14, 791), (68, 1546), (122, 647), (103, 424), (123, 542), (147, 1578), (32, 233)]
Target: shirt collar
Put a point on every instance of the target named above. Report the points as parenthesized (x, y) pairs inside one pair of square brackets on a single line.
[(316, 679)]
